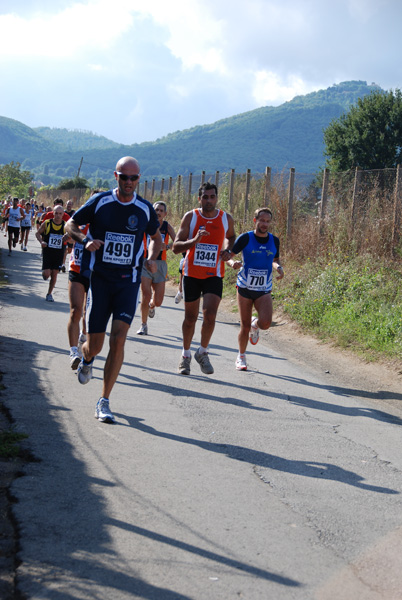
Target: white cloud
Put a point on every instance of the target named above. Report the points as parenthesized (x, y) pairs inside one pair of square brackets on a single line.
[(270, 89), (64, 34)]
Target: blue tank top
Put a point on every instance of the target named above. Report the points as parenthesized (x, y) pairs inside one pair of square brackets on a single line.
[(258, 256)]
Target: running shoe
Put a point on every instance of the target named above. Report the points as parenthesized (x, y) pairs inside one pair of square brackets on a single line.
[(63, 269), (81, 339), (25, 249), (84, 371), (204, 362), (254, 331), (102, 411), (151, 312), (75, 358), (143, 330), (241, 364), (49, 298), (178, 298), (184, 365)]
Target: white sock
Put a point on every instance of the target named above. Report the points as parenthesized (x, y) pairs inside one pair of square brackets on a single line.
[(202, 350), (186, 353)]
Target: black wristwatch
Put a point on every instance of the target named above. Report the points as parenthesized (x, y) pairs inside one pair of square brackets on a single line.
[(85, 241)]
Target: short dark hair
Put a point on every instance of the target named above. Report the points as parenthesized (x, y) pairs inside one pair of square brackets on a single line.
[(207, 186), (58, 201), (264, 209)]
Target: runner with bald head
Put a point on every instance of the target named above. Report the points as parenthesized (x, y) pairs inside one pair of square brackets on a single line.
[(51, 236), (113, 257)]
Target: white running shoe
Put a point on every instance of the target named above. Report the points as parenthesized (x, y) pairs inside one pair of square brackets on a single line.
[(178, 298), (254, 331), (151, 312), (49, 298), (102, 411), (143, 330), (241, 364), (84, 371), (75, 358), (204, 362)]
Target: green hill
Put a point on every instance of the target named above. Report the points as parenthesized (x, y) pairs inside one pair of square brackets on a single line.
[(290, 135), (75, 139)]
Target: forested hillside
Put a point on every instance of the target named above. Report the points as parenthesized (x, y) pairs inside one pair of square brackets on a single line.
[(290, 135)]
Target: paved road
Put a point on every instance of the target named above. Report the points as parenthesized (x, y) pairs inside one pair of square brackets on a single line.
[(269, 484)]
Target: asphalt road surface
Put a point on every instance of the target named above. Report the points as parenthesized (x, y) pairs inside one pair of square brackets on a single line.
[(257, 485)]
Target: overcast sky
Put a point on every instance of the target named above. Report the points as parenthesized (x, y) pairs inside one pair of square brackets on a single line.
[(135, 71)]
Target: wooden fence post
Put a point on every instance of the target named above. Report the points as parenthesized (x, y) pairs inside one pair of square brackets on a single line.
[(145, 189), (267, 186), (162, 187), (217, 179), (170, 187), (202, 178), (153, 189), (324, 197), (397, 212), (246, 193), (291, 190), (231, 187), (355, 199), (190, 185), (179, 182)]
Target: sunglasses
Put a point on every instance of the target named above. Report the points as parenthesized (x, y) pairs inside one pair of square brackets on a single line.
[(124, 177)]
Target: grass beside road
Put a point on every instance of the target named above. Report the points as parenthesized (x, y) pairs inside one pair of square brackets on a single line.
[(355, 303)]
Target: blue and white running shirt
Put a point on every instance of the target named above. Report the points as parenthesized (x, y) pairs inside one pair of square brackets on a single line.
[(258, 255), (121, 225)]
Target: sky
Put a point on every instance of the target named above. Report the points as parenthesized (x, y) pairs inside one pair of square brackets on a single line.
[(136, 71)]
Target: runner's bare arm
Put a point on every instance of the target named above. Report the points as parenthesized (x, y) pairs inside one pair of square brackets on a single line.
[(182, 243)]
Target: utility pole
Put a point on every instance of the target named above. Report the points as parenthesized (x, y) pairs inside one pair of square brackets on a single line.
[(79, 168)]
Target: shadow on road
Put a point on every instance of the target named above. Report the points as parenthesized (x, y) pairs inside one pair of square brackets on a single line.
[(320, 470)]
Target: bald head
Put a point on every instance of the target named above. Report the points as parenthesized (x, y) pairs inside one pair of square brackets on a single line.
[(127, 162)]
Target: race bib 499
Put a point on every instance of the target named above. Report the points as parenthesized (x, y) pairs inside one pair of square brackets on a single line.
[(118, 248)]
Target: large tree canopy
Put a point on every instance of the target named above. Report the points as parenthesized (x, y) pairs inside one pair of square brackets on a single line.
[(14, 181), (368, 136)]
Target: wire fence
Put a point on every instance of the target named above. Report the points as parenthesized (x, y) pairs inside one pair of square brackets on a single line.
[(351, 212)]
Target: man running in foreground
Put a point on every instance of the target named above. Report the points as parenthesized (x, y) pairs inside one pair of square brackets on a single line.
[(113, 256), (202, 235), (254, 282)]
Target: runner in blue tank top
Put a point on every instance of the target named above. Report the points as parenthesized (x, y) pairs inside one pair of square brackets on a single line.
[(254, 282), (113, 257)]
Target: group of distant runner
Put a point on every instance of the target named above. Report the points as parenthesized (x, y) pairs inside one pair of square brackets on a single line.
[(117, 242)]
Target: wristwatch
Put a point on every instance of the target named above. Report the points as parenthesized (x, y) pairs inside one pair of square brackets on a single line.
[(85, 241)]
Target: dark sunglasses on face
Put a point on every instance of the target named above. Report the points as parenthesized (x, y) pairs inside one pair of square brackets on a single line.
[(124, 177)]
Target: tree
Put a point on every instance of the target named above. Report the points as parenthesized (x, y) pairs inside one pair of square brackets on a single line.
[(14, 181), (75, 183), (368, 136)]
